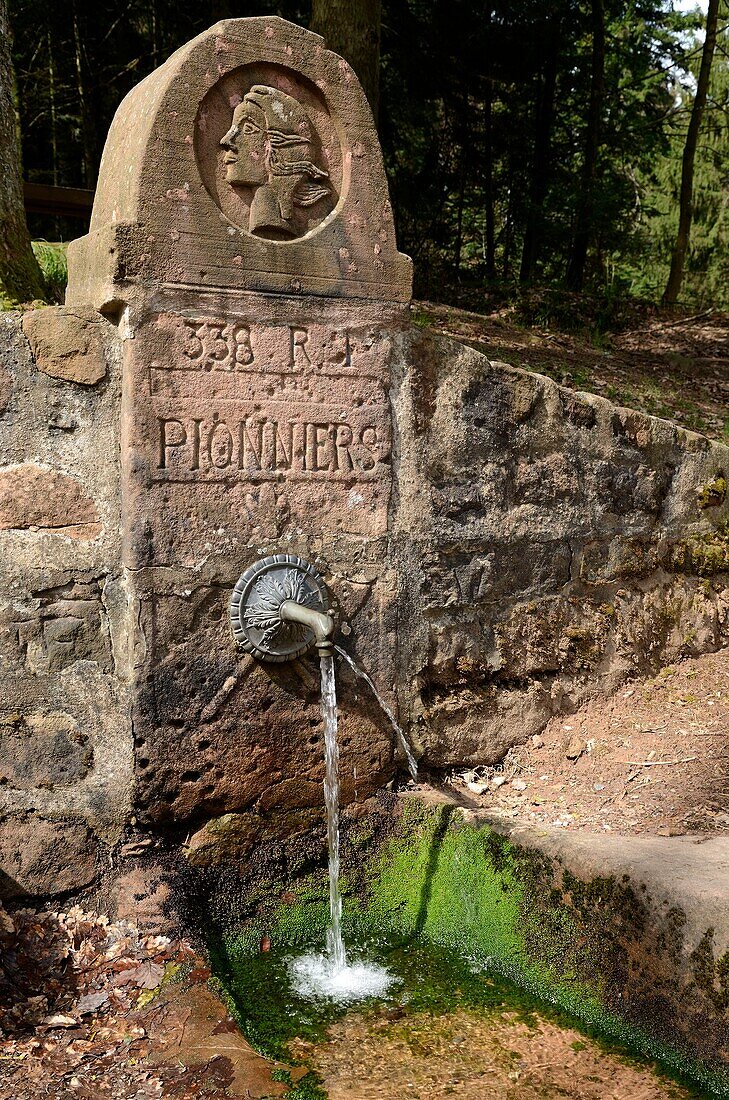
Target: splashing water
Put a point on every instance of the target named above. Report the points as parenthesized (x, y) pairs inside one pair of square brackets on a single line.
[(335, 943), (403, 742), (329, 975)]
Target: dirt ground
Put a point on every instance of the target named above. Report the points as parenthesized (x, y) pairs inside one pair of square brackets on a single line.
[(473, 1057), (653, 758), (673, 368)]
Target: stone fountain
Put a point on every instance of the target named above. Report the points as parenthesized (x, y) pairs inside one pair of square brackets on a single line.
[(235, 376), (235, 386)]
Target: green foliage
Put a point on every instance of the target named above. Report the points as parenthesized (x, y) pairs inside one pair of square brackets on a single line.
[(54, 267), (464, 100), (706, 278)]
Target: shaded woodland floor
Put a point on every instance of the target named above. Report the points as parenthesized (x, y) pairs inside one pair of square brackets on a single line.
[(673, 368)]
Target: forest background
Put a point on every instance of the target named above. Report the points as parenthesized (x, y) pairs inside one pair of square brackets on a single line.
[(534, 143)]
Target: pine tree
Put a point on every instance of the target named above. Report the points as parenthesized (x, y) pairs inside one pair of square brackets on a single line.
[(678, 258)]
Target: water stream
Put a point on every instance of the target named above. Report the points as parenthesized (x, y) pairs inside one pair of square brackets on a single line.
[(402, 739), (335, 944), (329, 975)]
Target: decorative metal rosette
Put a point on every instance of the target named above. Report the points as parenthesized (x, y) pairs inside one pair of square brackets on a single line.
[(256, 599)]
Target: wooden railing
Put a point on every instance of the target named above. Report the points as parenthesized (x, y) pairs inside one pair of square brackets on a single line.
[(66, 202)]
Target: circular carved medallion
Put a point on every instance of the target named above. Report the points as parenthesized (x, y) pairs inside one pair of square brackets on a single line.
[(268, 152)]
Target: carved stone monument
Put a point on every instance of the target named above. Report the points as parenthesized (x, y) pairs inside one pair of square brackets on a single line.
[(234, 378), (242, 238)]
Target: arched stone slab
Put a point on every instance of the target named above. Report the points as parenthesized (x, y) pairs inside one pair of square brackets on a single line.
[(295, 202)]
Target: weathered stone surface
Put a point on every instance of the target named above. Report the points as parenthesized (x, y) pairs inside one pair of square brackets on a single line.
[(43, 750), (549, 545), (39, 857), (143, 896), (6, 388), (288, 450), (74, 722), (60, 625), (232, 837), (64, 606), (36, 496), (67, 343), (249, 160)]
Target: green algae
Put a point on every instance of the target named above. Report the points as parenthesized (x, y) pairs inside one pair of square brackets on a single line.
[(466, 918)]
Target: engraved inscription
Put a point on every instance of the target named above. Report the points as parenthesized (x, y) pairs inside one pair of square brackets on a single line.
[(269, 147), (257, 447), (210, 344), (214, 345)]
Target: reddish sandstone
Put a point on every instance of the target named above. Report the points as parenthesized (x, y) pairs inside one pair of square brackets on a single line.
[(36, 496)]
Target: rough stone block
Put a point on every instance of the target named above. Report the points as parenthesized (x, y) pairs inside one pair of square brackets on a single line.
[(6, 388), (142, 896), (43, 750), (45, 858), (67, 343), (37, 496)]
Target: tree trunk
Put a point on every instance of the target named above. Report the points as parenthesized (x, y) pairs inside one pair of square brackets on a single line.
[(458, 246), (488, 183), (508, 230), (20, 276), (488, 175), (88, 127), (352, 28), (543, 120), (585, 208), (52, 109), (686, 197)]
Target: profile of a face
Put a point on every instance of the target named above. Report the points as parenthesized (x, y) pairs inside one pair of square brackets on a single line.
[(269, 147), (245, 146)]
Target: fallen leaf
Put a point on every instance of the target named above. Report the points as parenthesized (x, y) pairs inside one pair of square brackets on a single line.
[(91, 1002), (148, 975)]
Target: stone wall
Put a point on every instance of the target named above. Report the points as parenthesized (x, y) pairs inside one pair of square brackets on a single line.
[(528, 547), (65, 737), (549, 545)]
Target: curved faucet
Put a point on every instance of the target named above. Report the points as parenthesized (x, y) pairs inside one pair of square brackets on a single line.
[(320, 622), (270, 604)]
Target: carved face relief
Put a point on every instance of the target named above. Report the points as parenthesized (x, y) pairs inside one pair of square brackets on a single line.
[(269, 146), (245, 145)]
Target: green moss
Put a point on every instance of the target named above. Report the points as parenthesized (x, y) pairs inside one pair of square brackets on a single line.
[(487, 911), (703, 555), (711, 974), (307, 1087), (713, 494)]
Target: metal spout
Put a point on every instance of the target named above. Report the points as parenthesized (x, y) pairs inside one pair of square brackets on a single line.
[(320, 623)]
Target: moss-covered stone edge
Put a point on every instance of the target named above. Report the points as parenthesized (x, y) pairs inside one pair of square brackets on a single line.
[(597, 950)]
